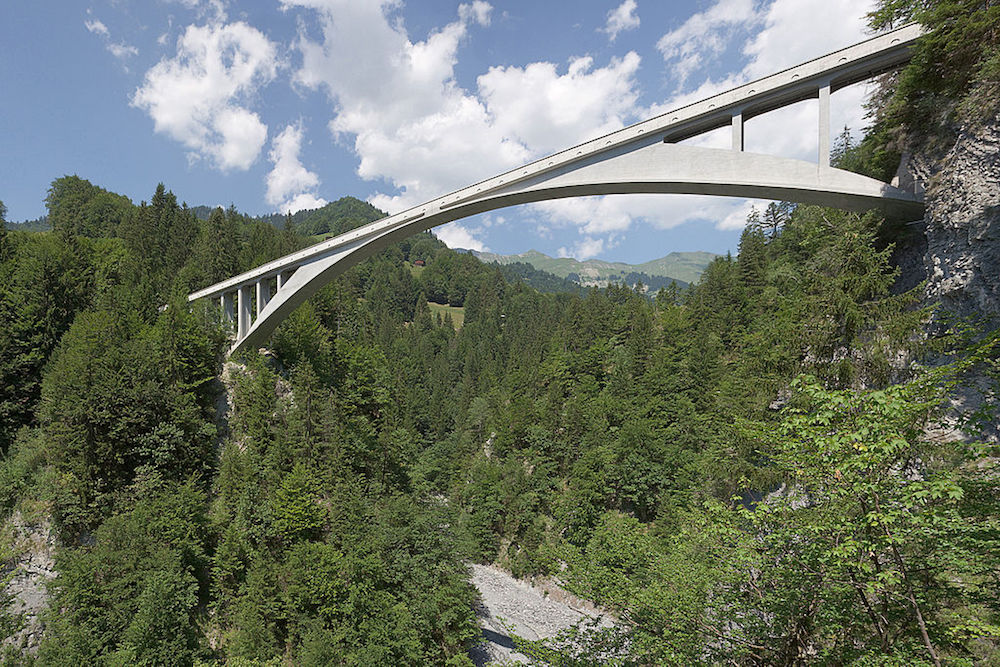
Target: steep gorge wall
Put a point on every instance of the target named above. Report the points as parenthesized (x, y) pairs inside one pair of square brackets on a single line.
[(961, 259), (955, 253)]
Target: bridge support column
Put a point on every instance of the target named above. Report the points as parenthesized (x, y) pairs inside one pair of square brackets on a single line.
[(243, 315), (263, 294), (226, 301), (738, 131), (282, 277), (824, 124)]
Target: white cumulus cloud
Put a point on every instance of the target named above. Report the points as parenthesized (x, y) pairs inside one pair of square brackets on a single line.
[(584, 249), (120, 50), (795, 31), (290, 186), (196, 97), (787, 33), (704, 36), (456, 235), (418, 134), (212, 10), (479, 11), (416, 128), (621, 18), (97, 27), (547, 111), (771, 37), (411, 124)]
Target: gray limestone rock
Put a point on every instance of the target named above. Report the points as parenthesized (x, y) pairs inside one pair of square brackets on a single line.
[(962, 224), (33, 567)]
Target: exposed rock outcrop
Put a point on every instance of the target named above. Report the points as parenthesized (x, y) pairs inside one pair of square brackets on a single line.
[(531, 610), (956, 250), (962, 224), (33, 567)]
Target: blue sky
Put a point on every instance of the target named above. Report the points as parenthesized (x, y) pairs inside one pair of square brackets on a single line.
[(278, 104)]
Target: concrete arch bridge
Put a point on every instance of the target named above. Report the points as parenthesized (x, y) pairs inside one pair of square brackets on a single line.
[(641, 158)]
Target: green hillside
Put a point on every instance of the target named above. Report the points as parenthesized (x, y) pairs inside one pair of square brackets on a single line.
[(684, 267)]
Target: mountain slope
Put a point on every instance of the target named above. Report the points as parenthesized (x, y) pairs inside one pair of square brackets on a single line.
[(683, 267)]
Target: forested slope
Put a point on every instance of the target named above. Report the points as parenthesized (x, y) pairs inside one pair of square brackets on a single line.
[(765, 469)]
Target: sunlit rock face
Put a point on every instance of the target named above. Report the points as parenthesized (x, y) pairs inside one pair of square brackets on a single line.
[(962, 259), (955, 252), (32, 568)]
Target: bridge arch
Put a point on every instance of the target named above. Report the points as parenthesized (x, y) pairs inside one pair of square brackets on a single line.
[(655, 168), (642, 158)]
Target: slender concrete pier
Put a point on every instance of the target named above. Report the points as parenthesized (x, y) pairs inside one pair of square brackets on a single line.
[(824, 124)]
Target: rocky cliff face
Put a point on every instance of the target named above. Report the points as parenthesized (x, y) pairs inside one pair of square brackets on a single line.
[(955, 252), (962, 225), (33, 567)]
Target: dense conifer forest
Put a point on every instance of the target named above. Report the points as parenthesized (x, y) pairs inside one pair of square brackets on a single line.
[(752, 470)]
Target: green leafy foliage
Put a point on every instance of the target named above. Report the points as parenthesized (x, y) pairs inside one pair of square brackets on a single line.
[(79, 208), (111, 409), (132, 597), (335, 218), (297, 513), (654, 453), (879, 547), (44, 281), (954, 75)]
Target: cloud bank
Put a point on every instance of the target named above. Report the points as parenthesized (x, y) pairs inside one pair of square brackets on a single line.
[(417, 133)]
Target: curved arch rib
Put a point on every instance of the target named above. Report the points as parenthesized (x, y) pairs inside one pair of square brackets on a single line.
[(651, 168)]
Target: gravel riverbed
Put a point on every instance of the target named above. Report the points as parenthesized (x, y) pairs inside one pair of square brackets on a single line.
[(509, 605)]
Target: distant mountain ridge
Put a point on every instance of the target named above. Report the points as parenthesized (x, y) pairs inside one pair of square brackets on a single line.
[(683, 267)]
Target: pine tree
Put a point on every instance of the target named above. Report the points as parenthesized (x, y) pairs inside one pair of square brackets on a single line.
[(842, 146), (775, 216), (752, 260), (289, 239), (3, 233)]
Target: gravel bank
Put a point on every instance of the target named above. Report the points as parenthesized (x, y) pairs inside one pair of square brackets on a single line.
[(511, 605)]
